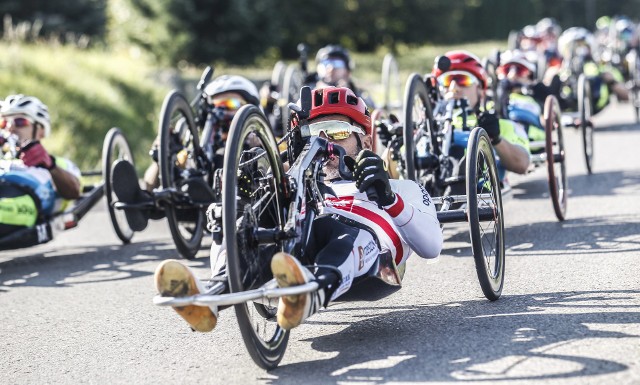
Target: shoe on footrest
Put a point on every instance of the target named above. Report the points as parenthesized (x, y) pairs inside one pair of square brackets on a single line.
[(173, 279), (294, 309)]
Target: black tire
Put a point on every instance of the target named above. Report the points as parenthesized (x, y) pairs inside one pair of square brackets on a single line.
[(293, 79), (487, 242), (179, 140), (418, 121), (115, 147), (277, 75), (492, 79), (247, 261), (585, 110), (634, 67), (554, 146), (390, 83)]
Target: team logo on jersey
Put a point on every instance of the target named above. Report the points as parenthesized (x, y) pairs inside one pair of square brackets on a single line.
[(426, 199)]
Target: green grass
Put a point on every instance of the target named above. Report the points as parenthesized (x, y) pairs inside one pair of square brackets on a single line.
[(90, 91)]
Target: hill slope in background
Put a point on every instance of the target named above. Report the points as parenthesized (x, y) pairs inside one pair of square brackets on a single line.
[(90, 91)]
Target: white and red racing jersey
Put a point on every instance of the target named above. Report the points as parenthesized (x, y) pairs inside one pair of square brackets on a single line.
[(409, 224)]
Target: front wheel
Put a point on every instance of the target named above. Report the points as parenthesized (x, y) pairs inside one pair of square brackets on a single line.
[(585, 104), (115, 147), (418, 122), (253, 207), (179, 158), (486, 223), (554, 146)]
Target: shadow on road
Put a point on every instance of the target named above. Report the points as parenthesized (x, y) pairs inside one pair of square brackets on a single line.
[(514, 338), (597, 184), (78, 265)]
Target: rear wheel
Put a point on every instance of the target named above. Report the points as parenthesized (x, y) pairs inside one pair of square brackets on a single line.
[(115, 148), (418, 122), (277, 75), (291, 84), (554, 146), (586, 127), (634, 68), (486, 224), (391, 84), (253, 205), (180, 158)]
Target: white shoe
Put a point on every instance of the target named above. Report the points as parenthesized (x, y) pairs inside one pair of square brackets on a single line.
[(294, 309)]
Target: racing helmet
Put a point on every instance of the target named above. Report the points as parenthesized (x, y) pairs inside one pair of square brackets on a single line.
[(233, 83), (625, 29), (340, 101), (29, 106), (517, 56), (548, 26), (334, 50), (575, 37), (464, 61)]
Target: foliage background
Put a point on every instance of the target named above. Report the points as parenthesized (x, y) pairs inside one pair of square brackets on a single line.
[(104, 63)]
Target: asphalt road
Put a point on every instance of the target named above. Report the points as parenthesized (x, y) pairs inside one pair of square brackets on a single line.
[(79, 309)]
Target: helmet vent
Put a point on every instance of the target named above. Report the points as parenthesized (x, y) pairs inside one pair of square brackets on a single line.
[(317, 98), (352, 100), (334, 98)]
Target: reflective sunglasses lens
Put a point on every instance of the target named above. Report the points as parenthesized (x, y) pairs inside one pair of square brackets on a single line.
[(463, 80), (335, 63), (337, 133), (232, 104), (21, 122)]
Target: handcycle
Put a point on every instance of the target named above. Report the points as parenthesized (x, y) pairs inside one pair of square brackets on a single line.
[(186, 156), (430, 150), (551, 150), (278, 214), (577, 93), (114, 147)]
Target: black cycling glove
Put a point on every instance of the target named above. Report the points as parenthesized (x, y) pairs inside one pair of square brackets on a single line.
[(491, 125), (383, 133), (370, 171)]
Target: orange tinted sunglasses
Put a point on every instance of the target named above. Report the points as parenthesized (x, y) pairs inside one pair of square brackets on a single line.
[(462, 79)]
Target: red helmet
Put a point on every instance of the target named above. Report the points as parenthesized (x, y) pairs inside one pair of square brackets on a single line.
[(464, 61), (340, 101)]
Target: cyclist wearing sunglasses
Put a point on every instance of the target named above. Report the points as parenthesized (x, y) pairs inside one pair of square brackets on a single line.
[(525, 95), (352, 231), (466, 79), (579, 44), (226, 94), (31, 180)]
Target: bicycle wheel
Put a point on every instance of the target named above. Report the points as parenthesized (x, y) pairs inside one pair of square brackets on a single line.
[(418, 121), (586, 127), (179, 159), (486, 223), (115, 147), (634, 68), (376, 116), (554, 146), (291, 85), (277, 75), (251, 153), (390, 83)]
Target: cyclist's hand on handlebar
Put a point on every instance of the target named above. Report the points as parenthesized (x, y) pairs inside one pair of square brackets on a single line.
[(370, 171), (491, 125), (35, 155)]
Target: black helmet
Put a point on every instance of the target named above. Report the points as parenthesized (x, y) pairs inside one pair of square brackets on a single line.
[(334, 50)]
